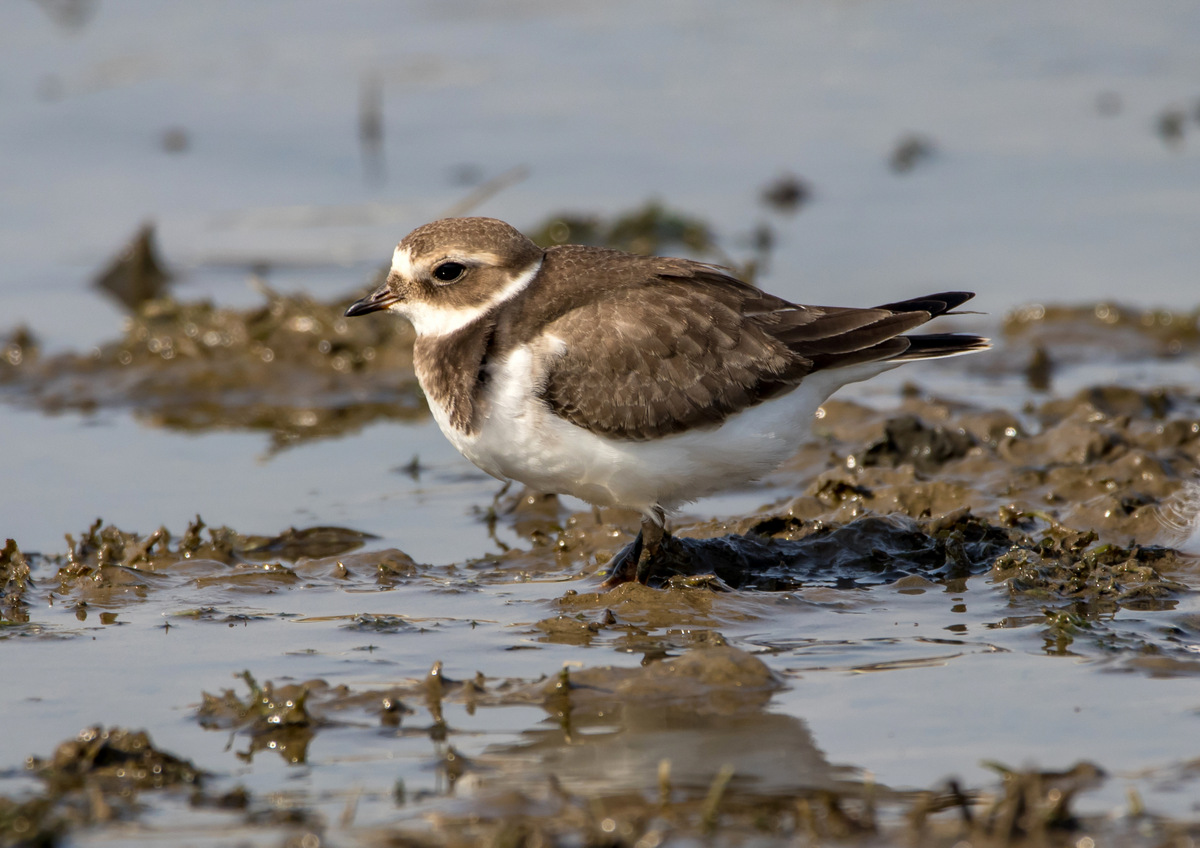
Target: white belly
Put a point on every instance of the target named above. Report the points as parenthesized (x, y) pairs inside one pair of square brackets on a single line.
[(521, 439)]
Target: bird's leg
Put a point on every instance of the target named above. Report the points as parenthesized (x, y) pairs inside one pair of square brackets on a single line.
[(624, 566), (636, 560), (654, 535)]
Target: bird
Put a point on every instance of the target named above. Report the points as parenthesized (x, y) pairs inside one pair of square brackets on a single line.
[(644, 382)]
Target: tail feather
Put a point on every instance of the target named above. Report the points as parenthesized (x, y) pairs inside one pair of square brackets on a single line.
[(942, 303), (842, 338), (934, 345)]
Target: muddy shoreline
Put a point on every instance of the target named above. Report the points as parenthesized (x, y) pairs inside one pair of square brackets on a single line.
[(1065, 506)]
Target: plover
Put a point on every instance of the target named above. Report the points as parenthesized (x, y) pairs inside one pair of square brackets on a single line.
[(635, 381)]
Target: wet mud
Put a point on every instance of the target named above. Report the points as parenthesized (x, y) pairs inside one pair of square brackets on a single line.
[(1051, 337), (1059, 507), (568, 782), (94, 779), (293, 368)]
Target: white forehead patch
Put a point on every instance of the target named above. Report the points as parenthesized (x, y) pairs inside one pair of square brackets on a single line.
[(440, 320), (402, 262)]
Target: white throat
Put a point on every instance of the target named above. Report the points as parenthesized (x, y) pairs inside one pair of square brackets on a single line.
[(432, 320)]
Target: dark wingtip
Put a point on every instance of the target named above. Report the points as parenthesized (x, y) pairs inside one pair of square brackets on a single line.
[(935, 345), (941, 303)]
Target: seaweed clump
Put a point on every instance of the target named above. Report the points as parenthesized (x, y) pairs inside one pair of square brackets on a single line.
[(90, 780), (294, 367)]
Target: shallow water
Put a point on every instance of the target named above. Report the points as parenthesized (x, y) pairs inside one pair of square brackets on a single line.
[(903, 685), (1042, 187)]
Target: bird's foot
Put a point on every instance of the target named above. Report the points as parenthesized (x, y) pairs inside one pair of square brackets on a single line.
[(654, 538), (653, 550), (625, 565), (667, 556)]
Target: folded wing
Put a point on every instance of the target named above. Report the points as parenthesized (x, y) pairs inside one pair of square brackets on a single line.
[(704, 346)]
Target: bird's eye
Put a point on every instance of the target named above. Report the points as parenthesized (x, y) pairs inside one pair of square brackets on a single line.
[(448, 272)]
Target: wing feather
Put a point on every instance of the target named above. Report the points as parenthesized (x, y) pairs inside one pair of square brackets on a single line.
[(666, 345), (689, 362)]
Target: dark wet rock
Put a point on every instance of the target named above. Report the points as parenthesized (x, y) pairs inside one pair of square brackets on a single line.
[(137, 274), (1071, 580), (869, 551)]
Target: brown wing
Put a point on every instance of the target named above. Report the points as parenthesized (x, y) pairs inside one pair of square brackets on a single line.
[(658, 361), (684, 345)]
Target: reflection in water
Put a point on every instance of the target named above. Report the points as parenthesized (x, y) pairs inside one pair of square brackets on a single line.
[(610, 752), (370, 129), (679, 724)]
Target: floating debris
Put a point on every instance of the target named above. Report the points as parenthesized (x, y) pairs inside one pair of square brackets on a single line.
[(787, 193), (1170, 126), (910, 151)]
